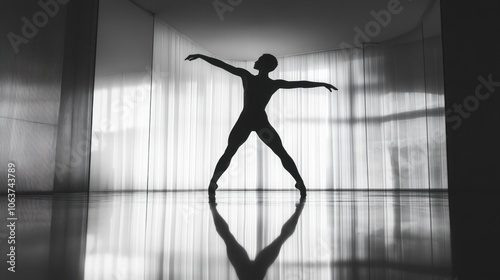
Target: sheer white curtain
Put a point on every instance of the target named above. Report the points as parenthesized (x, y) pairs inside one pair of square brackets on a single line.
[(120, 131), (383, 129), (405, 117), (193, 108)]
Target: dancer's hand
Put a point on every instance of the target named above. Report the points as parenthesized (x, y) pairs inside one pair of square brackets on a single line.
[(330, 87), (192, 57)]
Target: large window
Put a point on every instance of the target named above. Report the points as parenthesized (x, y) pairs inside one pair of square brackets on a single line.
[(383, 129)]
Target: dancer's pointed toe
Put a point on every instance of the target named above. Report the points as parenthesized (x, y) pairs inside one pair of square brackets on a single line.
[(302, 188)]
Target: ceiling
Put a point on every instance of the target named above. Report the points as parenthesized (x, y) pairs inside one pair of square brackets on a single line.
[(248, 28)]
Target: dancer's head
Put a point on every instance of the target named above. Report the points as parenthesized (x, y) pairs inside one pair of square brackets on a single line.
[(267, 63)]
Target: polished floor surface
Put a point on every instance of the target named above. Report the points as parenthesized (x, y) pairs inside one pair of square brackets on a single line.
[(243, 235)]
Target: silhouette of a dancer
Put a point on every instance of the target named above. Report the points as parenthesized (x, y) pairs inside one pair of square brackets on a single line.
[(238, 256), (257, 93)]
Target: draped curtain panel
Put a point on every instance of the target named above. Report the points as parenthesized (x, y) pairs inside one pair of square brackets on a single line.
[(120, 131), (383, 128)]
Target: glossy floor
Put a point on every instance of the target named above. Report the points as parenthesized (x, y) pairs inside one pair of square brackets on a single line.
[(244, 235)]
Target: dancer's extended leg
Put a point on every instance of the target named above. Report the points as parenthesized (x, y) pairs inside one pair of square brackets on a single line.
[(271, 138), (238, 136), (268, 255), (237, 255)]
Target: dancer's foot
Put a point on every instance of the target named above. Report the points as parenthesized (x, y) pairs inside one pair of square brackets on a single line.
[(302, 188), (211, 189)]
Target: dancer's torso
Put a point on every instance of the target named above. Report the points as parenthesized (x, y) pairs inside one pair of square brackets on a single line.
[(257, 93)]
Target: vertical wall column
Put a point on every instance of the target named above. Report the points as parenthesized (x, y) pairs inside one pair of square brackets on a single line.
[(472, 88), (75, 113), (31, 59)]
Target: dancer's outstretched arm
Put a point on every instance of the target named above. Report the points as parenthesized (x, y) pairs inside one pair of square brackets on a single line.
[(303, 84), (214, 61)]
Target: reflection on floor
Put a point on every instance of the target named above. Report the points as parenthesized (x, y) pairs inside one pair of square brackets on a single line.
[(244, 235)]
